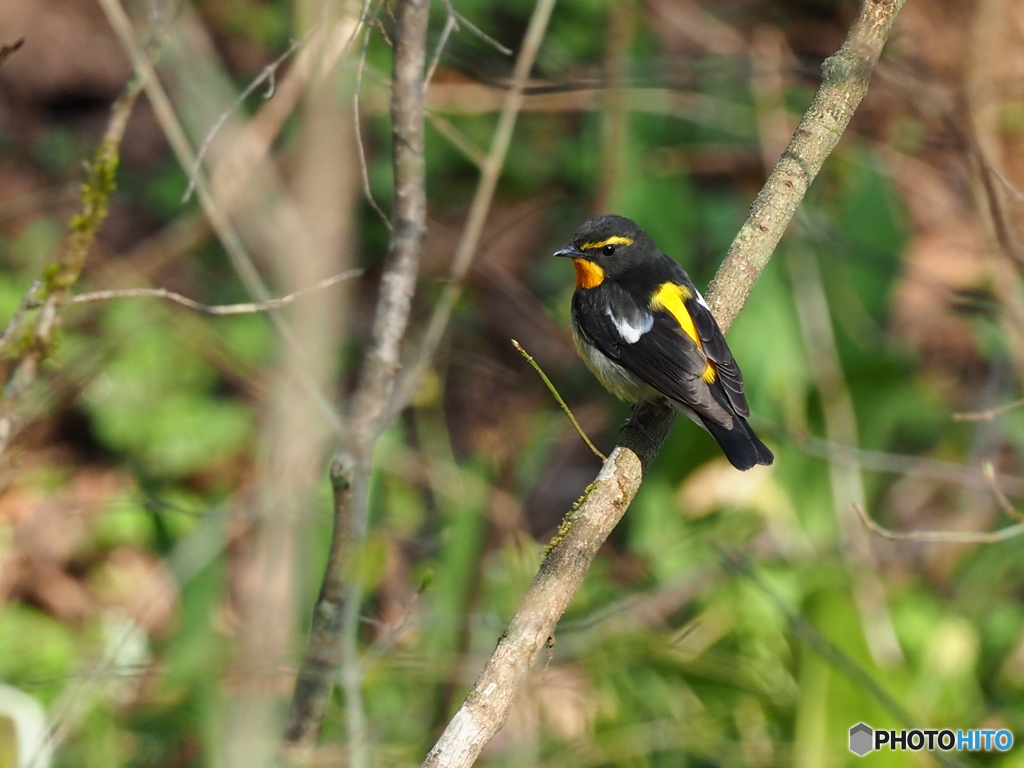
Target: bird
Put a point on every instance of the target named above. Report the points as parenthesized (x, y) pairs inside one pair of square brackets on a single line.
[(644, 330)]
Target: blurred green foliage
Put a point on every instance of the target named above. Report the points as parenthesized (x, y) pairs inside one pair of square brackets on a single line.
[(727, 635), (157, 402)]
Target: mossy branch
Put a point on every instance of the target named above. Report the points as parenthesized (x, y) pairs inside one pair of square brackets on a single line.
[(29, 343)]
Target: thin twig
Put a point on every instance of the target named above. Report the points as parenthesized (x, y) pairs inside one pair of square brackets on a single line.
[(450, 25), (940, 537), (221, 223), (213, 309), (481, 205), (845, 79), (62, 275), (1008, 185), (7, 49), (900, 464), (989, 471), (267, 73), (364, 171), (988, 415), (476, 30), (458, 139), (350, 470), (29, 301), (558, 398)]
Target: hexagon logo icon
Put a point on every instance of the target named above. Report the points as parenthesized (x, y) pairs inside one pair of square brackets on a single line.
[(861, 739)]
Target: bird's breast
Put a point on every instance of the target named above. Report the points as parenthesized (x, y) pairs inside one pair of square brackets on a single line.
[(613, 377)]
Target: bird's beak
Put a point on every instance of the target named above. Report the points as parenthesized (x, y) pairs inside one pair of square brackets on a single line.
[(568, 252)]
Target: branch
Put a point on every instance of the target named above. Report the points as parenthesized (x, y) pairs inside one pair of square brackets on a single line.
[(987, 415), (213, 309), (29, 301), (333, 638), (6, 50), (221, 223), (845, 77), (478, 209), (36, 343), (940, 537), (943, 472), (268, 73)]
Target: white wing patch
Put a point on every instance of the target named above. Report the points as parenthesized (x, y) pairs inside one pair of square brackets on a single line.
[(700, 300), (631, 328)]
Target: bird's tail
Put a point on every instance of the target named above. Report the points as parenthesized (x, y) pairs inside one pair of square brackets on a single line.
[(741, 446)]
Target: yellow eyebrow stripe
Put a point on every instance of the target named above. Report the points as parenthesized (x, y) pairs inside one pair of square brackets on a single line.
[(671, 298), (616, 240)]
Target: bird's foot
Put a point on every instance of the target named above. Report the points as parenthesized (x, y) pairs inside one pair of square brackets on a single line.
[(635, 422)]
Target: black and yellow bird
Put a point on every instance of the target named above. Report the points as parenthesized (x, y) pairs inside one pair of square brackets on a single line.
[(644, 330)]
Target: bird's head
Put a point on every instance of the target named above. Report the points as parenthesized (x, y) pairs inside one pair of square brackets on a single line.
[(606, 246)]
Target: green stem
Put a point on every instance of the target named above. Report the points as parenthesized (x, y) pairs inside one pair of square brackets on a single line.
[(558, 397)]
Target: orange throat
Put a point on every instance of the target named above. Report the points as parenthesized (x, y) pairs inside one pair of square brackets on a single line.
[(588, 274)]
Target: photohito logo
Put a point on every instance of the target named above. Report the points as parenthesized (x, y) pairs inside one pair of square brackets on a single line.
[(864, 739)]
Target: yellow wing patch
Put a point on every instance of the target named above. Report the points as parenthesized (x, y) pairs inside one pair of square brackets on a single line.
[(616, 240), (671, 298)]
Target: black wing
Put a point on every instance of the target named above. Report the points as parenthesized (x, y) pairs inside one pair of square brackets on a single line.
[(718, 352), (653, 346)]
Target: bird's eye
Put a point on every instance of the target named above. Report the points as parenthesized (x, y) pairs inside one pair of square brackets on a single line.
[(608, 250)]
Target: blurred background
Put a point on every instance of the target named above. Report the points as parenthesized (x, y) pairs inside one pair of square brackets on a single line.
[(165, 511)]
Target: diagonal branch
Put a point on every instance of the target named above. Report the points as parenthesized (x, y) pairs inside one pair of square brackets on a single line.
[(7, 49), (845, 77), (333, 639)]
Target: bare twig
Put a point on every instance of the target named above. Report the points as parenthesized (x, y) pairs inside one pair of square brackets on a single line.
[(845, 79), (212, 309), (458, 139), (267, 74), (989, 414), (364, 171), (897, 463), (350, 470), (62, 276), (478, 210), (450, 25), (1008, 185), (7, 49), (558, 398), (333, 639), (222, 225), (989, 471), (462, 20), (940, 537), (29, 301)]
